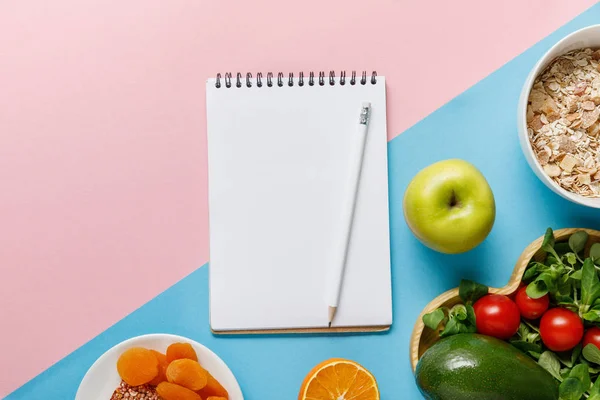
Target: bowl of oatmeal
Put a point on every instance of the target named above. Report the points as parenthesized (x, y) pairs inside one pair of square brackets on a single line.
[(559, 117)]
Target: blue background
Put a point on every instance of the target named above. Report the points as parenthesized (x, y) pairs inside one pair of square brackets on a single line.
[(478, 126)]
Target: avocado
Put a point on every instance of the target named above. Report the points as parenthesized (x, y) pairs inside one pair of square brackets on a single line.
[(477, 367)]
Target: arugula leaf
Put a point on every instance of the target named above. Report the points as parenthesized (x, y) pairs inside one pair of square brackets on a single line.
[(577, 241), (470, 291), (433, 319), (576, 384), (595, 253), (591, 353), (549, 361), (590, 285)]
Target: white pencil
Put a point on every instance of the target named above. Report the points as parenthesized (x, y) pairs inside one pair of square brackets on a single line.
[(356, 161)]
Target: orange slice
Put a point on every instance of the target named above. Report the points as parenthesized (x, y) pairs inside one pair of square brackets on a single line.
[(339, 379)]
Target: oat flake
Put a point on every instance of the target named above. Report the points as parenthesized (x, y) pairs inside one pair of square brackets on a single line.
[(563, 124)]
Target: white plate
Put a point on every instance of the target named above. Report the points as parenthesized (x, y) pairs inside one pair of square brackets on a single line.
[(102, 378)]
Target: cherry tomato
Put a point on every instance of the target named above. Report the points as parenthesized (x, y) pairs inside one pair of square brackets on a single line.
[(592, 336), (497, 315), (531, 308), (561, 329)]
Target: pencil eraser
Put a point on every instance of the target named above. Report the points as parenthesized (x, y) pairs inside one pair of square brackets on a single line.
[(366, 104)]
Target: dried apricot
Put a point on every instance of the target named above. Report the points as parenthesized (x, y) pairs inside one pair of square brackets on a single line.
[(162, 368), (137, 366), (177, 351), (187, 373), (171, 391), (213, 389), (216, 398)]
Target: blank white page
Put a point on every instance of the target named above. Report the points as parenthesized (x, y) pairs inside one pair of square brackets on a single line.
[(278, 165)]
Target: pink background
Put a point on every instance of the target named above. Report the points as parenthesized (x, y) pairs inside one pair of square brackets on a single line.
[(102, 131)]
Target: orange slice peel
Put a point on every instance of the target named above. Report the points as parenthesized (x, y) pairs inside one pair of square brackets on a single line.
[(339, 379)]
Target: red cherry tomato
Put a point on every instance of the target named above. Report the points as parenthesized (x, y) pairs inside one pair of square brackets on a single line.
[(561, 329), (592, 336), (531, 308), (497, 315)]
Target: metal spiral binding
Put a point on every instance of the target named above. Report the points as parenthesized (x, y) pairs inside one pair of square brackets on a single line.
[(239, 80)]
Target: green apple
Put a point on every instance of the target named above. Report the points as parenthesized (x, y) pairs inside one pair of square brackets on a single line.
[(449, 206)]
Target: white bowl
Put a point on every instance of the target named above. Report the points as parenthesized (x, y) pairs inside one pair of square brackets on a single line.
[(586, 37), (102, 378)]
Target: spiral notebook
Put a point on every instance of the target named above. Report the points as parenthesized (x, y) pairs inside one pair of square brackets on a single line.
[(278, 154)]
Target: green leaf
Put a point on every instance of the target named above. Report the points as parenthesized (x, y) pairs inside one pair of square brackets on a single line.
[(536, 289), (595, 252), (576, 384), (535, 355), (571, 389), (576, 275), (577, 241), (452, 328), (594, 396), (526, 346), (463, 328), (571, 258), (575, 354), (548, 243), (564, 372), (595, 390), (562, 248), (551, 260), (530, 273), (592, 315), (544, 283), (523, 331), (549, 361), (569, 358), (471, 291), (433, 319), (550, 279), (471, 315), (459, 312), (591, 353), (590, 285), (562, 300)]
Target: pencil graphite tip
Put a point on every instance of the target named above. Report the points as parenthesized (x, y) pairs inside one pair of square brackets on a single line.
[(330, 324)]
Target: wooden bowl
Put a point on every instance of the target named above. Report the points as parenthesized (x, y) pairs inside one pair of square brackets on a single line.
[(423, 338)]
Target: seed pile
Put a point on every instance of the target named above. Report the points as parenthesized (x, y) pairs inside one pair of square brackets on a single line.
[(143, 392)]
